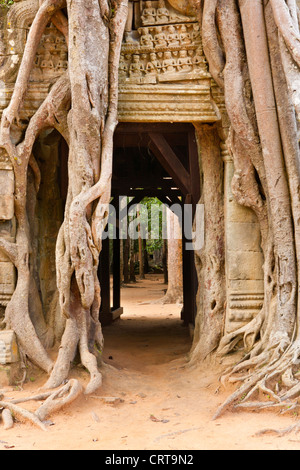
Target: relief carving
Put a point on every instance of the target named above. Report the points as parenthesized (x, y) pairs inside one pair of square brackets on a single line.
[(15, 28), (163, 73), (159, 12), (242, 308), (52, 56), (162, 54)]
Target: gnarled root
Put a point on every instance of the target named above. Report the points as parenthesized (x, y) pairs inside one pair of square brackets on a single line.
[(17, 411), (247, 332), (272, 375), (280, 432), (63, 396), (54, 401), (83, 331)]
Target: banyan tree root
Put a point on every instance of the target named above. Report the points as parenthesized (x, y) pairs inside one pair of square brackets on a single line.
[(58, 399), (7, 418), (91, 121), (54, 401), (82, 107), (280, 432), (247, 44), (21, 413), (274, 375)]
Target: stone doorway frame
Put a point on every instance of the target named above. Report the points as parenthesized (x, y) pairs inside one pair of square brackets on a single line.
[(186, 179)]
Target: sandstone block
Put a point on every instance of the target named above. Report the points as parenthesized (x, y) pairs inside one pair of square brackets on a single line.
[(245, 265)]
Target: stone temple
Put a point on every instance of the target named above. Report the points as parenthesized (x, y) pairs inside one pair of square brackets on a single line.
[(166, 95)]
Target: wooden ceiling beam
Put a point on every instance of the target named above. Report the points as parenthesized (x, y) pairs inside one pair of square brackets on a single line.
[(162, 127), (169, 160)]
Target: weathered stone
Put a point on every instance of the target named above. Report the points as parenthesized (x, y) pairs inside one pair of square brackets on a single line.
[(244, 259), (163, 77), (7, 276), (6, 194), (8, 347), (245, 265), (243, 236), (10, 374)]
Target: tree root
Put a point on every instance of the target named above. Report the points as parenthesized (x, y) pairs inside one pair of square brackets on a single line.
[(251, 330), (7, 418), (65, 395), (283, 432), (54, 401), (20, 412), (273, 376)]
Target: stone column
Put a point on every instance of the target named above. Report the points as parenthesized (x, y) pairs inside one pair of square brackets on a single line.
[(243, 256), (7, 228)]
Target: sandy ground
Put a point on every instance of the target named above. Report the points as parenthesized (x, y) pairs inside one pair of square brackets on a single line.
[(163, 405)]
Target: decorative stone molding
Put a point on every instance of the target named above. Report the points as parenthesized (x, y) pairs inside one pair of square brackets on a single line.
[(14, 31), (244, 259), (163, 72), (167, 103), (8, 347)]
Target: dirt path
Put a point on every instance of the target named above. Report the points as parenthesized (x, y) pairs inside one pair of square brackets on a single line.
[(162, 405)]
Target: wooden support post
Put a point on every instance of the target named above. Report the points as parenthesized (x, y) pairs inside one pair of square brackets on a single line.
[(104, 276), (194, 168), (116, 272), (117, 310), (169, 160), (188, 313)]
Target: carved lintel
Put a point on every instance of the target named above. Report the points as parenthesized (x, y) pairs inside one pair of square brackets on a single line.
[(167, 103), (18, 20)]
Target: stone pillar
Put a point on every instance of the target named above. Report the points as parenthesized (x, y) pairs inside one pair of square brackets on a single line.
[(7, 228), (244, 258)]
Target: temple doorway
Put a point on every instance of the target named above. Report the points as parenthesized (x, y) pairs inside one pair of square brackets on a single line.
[(151, 160)]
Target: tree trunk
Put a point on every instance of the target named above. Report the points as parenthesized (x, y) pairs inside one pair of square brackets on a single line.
[(82, 106), (174, 292), (141, 253), (210, 260), (250, 47)]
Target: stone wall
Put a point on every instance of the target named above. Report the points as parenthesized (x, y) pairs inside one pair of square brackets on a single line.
[(244, 258), (163, 78)]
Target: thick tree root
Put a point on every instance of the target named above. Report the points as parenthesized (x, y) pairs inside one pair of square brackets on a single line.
[(17, 411), (63, 396), (7, 418), (272, 376), (54, 401)]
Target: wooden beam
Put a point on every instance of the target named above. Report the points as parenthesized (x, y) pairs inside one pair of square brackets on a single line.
[(190, 281), (116, 272), (194, 167), (141, 140), (104, 277), (142, 127), (169, 160), (135, 183)]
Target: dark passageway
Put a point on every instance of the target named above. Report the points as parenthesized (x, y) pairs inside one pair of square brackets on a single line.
[(152, 160)]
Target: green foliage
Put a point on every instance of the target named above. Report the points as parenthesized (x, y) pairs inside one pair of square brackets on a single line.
[(6, 3), (154, 244)]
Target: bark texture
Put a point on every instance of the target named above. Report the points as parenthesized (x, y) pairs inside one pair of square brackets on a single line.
[(174, 292), (253, 52), (210, 260), (252, 48), (82, 107)]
